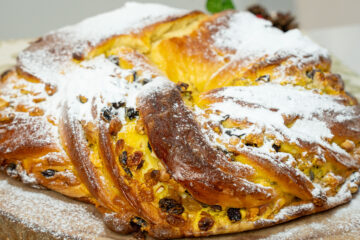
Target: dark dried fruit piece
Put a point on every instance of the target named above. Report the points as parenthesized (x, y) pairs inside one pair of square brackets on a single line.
[(276, 147), (171, 206), (123, 158), (131, 113), (234, 214), (114, 59), (205, 223), (311, 73), (259, 11), (149, 146), (216, 208), (48, 173), (141, 164), (106, 114), (144, 81), (11, 170), (118, 105), (263, 78), (78, 56), (182, 87), (138, 222)]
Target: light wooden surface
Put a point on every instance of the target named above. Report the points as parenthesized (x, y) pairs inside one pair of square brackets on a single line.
[(27, 213)]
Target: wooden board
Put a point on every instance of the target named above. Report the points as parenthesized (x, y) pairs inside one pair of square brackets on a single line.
[(28, 213)]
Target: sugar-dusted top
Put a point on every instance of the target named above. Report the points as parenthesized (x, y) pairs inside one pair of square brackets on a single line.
[(254, 37)]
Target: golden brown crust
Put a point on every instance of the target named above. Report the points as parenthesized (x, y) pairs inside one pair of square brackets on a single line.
[(158, 170)]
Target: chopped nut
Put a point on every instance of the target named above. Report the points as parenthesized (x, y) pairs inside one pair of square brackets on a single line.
[(119, 146), (6, 117), (139, 127), (90, 131), (146, 194), (115, 126), (253, 213), (348, 145), (134, 159), (82, 99), (234, 140), (152, 177), (353, 187), (3, 104), (164, 176), (37, 100), (50, 89), (175, 220), (36, 112)]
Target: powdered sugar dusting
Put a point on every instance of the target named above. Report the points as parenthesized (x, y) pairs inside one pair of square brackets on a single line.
[(268, 105), (253, 37), (50, 212), (130, 18)]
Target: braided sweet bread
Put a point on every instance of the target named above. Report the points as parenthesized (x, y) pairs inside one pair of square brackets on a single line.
[(178, 123)]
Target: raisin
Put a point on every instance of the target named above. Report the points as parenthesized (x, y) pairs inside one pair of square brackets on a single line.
[(114, 59), (149, 146), (139, 222), (106, 114), (118, 105), (310, 74), (234, 214), (251, 144), (11, 170), (276, 147), (48, 173), (229, 133), (155, 174), (123, 158), (131, 113), (78, 56), (145, 81), (134, 76), (264, 78), (205, 223), (182, 87), (127, 171), (171, 206), (141, 164)]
